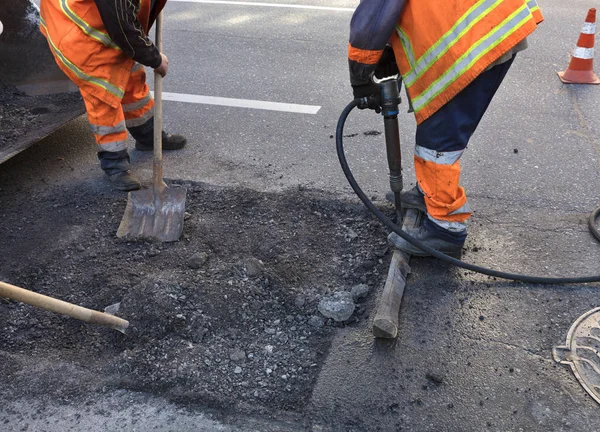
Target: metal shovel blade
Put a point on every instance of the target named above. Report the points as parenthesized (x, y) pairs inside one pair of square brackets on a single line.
[(154, 215)]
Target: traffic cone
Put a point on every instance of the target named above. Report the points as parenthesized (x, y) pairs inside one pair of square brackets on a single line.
[(581, 68)]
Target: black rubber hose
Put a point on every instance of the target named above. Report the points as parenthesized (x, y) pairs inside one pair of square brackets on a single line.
[(593, 222), (442, 257)]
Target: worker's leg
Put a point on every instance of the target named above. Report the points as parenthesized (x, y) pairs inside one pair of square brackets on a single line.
[(138, 107), (440, 142), (108, 126)]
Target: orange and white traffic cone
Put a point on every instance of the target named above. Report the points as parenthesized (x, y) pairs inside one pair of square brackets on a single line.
[(581, 68)]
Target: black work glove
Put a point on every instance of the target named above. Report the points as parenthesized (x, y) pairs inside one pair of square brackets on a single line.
[(370, 95), (387, 67)]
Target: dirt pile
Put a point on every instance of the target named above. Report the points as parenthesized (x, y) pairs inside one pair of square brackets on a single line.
[(226, 317), (22, 115)]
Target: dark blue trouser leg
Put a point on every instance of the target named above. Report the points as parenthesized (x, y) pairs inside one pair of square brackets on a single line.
[(451, 127)]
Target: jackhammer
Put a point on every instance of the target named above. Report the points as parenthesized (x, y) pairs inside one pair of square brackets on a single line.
[(387, 104)]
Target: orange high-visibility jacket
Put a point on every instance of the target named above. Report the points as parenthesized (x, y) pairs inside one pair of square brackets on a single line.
[(84, 50), (440, 46)]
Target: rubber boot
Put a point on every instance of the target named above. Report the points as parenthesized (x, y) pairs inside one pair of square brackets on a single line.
[(116, 166), (144, 138)]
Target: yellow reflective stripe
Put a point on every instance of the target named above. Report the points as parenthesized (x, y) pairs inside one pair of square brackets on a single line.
[(450, 38), (114, 90), (87, 29), (408, 49), (532, 5), (511, 24)]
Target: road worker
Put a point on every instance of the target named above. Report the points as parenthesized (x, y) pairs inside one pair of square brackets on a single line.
[(103, 47), (452, 57)]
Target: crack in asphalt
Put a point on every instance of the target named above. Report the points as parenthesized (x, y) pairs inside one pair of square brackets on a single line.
[(534, 353)]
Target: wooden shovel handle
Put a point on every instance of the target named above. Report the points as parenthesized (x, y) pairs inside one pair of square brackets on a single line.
[(157, 166), (62, 307)]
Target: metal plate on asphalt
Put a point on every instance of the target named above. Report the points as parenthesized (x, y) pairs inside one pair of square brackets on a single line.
[(582, 352)]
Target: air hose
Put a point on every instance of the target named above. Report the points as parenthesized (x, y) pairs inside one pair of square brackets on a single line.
[(593, 222), (436, 254)]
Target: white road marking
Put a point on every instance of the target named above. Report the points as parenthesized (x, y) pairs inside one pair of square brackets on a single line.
[(275, 5), (241, 103)]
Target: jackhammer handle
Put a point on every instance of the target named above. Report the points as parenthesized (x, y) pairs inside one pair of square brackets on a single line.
[(157, 165), (62, 307)]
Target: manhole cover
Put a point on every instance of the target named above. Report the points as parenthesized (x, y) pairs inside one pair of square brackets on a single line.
[(582, 352)]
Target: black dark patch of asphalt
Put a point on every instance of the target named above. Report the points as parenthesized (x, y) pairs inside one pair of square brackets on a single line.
[(26, 119), (224, 318)]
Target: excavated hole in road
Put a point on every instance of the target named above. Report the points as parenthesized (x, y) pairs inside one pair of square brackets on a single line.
[(225, 318)]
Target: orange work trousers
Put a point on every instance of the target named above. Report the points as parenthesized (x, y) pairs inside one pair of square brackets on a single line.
[(108, 124)]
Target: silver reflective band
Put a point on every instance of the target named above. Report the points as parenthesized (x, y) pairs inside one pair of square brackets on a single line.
[(116, 91), (589, 28), (405, 41), (485, 45), (140, 120), (136, 67), (440, 158), (136, 105), (107, 130), (462, 210), (583, 53), (87, 29), (449, 226), (113, 146), (472, 17), (1, 27)]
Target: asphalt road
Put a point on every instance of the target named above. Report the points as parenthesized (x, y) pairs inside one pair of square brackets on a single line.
[(473, 353)]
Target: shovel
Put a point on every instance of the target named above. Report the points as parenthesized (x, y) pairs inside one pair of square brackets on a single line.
[(62, 307), (155, 213)]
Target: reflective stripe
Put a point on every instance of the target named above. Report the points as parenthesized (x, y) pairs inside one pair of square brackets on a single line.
[(107, 130), (533, 6), (137, 66), (589, 28), (114, 146), (80, 74), (449, 226), (87, 29), (140, 120), (440, 158), (583, 53), (464, 209), (511, 24), (408, 49), (137, 105), (450, 38)]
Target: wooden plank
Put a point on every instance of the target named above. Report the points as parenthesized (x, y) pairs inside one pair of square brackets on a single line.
[(385, 324)]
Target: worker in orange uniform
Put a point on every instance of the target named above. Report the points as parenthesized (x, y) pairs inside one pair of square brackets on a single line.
[(103, 47), (452, 57)]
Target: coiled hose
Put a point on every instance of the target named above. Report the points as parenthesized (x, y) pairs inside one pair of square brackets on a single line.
[(593, 222), (443, 257)]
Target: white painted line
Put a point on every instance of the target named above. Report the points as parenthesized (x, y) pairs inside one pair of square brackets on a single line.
[(275, 5), (241, 103)]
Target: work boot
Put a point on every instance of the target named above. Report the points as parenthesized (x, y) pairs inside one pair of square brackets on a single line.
[(412, 198), (116, 166), (169, 142), (144, 138), (125, 181), (427, 237)]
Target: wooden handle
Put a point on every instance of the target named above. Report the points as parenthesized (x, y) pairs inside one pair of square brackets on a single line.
[(385, 324), (157, 166), (62, 307)]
